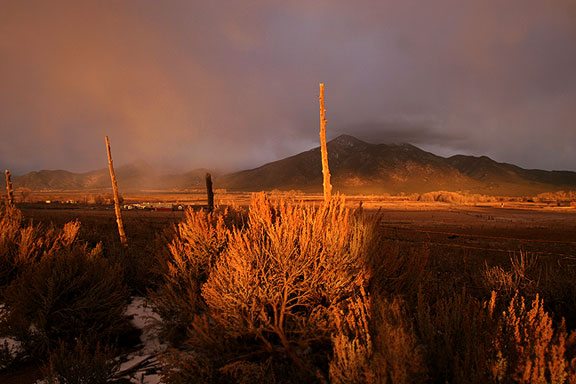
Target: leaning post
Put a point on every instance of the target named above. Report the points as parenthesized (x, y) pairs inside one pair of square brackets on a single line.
[(324, 148), (121, 232)]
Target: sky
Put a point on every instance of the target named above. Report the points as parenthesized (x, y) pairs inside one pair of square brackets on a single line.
[(230, 85)]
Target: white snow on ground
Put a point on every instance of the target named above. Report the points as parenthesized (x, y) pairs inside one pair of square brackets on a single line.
[(9, 345), (145, 319), (144, 359)]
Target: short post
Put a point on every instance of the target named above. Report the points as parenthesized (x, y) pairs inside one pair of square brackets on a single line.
[(209, 192), (9, 189), (121, 232), (324, 148)]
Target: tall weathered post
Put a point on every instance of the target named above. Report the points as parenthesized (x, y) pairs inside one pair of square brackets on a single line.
[(116, 197), (209, 192), (324, 148), (9, 189)]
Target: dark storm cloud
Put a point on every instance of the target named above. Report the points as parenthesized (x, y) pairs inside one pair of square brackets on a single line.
[(233, 84), (400, 132)]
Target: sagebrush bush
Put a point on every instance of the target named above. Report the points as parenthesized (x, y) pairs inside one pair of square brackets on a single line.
[(269, 289), (353, 354), (523, 276), (22, 244), (197, 243), (83, 361), (375, 342), (398, 352), (471, 342), (457, 333), (279, 279), (394, 270), (528, 348), (64, 295), (301, 293)]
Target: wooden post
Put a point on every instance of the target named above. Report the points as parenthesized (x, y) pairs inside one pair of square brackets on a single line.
[(116, 197), (209, 192), (324, 148), (9, 189)]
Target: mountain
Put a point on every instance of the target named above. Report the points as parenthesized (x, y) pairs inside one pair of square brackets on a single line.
[(133, 177), (355, 166), (360, 167), (508, 177)]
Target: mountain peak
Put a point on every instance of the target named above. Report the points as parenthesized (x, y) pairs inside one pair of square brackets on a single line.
[(347, 141)]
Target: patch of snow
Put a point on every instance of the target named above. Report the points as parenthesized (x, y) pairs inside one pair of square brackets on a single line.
[(141, 364), (11, 346)]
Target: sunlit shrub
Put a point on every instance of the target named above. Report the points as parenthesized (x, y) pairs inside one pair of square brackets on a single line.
[(197, 243), (22, 244), (470, 342), (455, 197), (528, 348), (269, 288), (353, 350), (376, 343), (279, 279)]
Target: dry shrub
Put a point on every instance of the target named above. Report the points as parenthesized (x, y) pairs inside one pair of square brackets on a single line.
[(353, 350), (66, 294), (376, 345), (557, 287), (279, 279), (522, 277), (187, 367), (457, 332), (398, 353), (81, 361), (528, 275), (394, 270), (22, 245), (197, 243), (470, 342), (556, 197), (571, 357), (443, 196), (269, 287), (455, 197), (528, 348)]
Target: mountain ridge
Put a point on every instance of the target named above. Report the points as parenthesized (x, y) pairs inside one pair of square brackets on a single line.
[(356, 167)]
